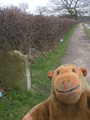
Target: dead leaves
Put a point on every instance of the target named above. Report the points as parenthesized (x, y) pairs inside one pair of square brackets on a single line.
[(11, 115), (2, 90), (5, 89)]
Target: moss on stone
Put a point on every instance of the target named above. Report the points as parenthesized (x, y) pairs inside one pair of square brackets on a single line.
[(15, 71)]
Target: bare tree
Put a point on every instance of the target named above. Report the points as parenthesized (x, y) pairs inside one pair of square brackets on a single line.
[(40, 10), (23, 6), (72, 7)]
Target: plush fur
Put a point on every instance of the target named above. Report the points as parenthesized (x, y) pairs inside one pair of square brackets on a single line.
[(69, 99)]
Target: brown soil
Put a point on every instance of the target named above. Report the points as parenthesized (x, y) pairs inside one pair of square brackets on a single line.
[(78, 51)]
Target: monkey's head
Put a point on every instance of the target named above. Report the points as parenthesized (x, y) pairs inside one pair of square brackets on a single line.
[(68, 82)]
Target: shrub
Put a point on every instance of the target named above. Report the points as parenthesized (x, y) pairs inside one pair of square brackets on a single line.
[(22, 31)]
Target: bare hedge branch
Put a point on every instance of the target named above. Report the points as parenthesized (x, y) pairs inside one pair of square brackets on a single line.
[(22, 31)]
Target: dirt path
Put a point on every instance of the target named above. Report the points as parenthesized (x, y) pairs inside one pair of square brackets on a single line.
[(78, 51)]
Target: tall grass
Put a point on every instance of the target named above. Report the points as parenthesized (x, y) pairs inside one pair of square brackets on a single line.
[(87, 31)]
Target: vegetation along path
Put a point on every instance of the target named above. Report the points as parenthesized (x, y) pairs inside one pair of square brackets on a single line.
[(78, 51)]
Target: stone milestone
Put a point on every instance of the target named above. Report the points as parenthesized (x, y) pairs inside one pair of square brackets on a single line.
[(15, 70)]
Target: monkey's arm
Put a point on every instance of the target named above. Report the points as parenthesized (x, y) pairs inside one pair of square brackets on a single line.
[(39, 112)]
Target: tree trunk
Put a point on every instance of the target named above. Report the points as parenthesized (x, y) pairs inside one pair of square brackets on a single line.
[(75, 16)]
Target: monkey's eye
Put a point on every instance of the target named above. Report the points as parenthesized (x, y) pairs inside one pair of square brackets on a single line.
[(73, 71), (58, 73)]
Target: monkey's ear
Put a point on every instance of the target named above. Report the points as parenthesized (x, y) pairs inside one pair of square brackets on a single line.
[(50, 74), (84, 71)]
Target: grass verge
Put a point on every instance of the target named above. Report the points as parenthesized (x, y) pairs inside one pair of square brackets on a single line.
[(87, 31), (15, 104)]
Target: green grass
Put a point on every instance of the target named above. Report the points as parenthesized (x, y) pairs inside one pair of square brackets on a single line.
[(15, 104), (87, 31)]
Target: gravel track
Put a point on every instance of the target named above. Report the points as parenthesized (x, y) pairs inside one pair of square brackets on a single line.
[(78, 51)]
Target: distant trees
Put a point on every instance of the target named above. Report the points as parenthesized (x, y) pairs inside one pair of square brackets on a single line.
[(23, 6), (70, 7), (40, 10)]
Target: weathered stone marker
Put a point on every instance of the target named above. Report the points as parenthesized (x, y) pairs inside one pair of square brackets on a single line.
[(15, 70)]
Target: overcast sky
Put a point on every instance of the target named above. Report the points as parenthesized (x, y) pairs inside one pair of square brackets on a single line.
[(32, 3)]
